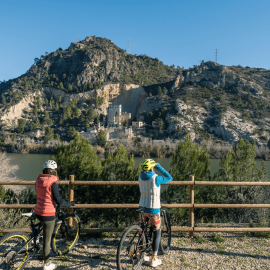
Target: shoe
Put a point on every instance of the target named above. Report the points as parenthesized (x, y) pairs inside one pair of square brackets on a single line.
[(155, 263), (50, 266), (146, 258)]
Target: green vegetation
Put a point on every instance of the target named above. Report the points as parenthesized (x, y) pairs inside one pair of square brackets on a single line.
[(49, 134), (199, 240), (160, 124), (21, 125), (80, 159), (238, 165), (101, 138), (98, 101), (217, 238)]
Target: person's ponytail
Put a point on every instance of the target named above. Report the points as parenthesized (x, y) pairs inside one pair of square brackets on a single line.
[(50, 171)]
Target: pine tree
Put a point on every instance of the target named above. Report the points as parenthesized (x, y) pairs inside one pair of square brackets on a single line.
[(101, 138), (160, 93), (21, 125), (57, 137), (3, 99), (90, 86), (71, 132), (87, 123), (165, 91), (32, 126), (38, 102), (188, 159), (37, 122), (49, 134), (239, 166), (115, 167), (35, 110), (80, 159), (52, 102), (160, 124)]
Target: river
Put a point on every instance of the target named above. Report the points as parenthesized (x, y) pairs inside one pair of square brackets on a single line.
[(30, 165)]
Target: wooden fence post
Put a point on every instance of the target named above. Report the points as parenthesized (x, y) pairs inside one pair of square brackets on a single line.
[(191, 210), (71, 197)]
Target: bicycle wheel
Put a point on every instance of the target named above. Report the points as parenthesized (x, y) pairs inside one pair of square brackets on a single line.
[(65, 237), (165, 241), (131, 249), (14, 250)]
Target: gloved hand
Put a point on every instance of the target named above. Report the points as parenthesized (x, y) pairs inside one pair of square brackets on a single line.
[(72, 203)]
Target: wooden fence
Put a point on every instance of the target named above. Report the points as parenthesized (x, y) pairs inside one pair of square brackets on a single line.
[(191, 205)]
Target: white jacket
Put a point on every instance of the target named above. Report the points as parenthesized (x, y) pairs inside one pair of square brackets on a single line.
[(150, 193)]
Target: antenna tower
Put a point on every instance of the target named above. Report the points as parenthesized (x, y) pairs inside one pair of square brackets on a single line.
[(129, 46), (216, 55)]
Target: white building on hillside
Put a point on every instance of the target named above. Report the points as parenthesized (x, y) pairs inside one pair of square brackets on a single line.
[(112, 111), (116, 116)]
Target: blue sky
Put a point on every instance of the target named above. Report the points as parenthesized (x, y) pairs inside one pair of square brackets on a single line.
[(176, 32)]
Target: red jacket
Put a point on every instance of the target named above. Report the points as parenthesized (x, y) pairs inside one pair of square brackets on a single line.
[(45, 206)]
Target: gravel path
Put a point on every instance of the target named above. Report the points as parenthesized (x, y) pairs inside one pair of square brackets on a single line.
[(204, 251)]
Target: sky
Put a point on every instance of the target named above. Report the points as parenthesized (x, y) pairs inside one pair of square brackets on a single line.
[(182, 32)]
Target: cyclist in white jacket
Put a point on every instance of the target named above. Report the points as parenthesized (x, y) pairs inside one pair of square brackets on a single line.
[(149, 183)]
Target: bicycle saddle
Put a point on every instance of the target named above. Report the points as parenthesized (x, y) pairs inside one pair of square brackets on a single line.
[(141, 210), (28, 214)]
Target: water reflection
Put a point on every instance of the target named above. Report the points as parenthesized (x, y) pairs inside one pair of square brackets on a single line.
[(31, 164)]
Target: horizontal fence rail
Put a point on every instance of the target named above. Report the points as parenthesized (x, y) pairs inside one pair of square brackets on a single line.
[(134, 206), (135, 183), (191, 205)]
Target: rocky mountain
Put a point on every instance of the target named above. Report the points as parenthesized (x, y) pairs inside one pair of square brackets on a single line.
[(70, 89)]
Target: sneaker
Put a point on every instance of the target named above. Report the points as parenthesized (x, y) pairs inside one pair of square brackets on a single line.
[(155, 263), (50, 266), (146, 258)]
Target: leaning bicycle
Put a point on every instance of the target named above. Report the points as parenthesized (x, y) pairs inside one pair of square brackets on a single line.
[(17, 248), (137, 241)]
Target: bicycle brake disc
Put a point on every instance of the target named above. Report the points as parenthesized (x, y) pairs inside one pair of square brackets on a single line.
[(132, 251), (10, 256)]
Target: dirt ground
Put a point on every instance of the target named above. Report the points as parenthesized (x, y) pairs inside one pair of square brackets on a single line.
[(204, 251)]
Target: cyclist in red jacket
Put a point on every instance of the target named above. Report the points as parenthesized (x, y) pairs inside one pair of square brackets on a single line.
[(47, 197)]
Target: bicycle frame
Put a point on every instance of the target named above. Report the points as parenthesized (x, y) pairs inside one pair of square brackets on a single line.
[(148, 236), (33, 236)]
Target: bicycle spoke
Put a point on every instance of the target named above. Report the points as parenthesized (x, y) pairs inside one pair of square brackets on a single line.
[(65, 237), (131, 249)]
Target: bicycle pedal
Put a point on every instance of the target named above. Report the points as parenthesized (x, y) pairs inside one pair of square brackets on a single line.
[(58, 222)]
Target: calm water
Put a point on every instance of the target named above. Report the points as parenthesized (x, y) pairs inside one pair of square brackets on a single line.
[(31, 164)]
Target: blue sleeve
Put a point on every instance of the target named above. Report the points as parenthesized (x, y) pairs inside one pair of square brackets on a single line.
[(166, 178)]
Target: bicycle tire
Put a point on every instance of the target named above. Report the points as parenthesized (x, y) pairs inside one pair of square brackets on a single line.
[(166, 233), (128, 253), (62, 240), (10, 244)]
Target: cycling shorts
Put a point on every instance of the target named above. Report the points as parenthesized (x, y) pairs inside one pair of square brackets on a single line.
[(154, 219)]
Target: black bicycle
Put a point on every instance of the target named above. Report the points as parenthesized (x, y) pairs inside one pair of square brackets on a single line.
[(16, 248), (137, 240)]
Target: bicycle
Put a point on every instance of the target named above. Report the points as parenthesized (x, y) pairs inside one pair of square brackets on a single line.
[(16, 248), (137, 240)]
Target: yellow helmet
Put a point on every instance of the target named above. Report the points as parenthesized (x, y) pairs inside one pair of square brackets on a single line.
[(148, 164)]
